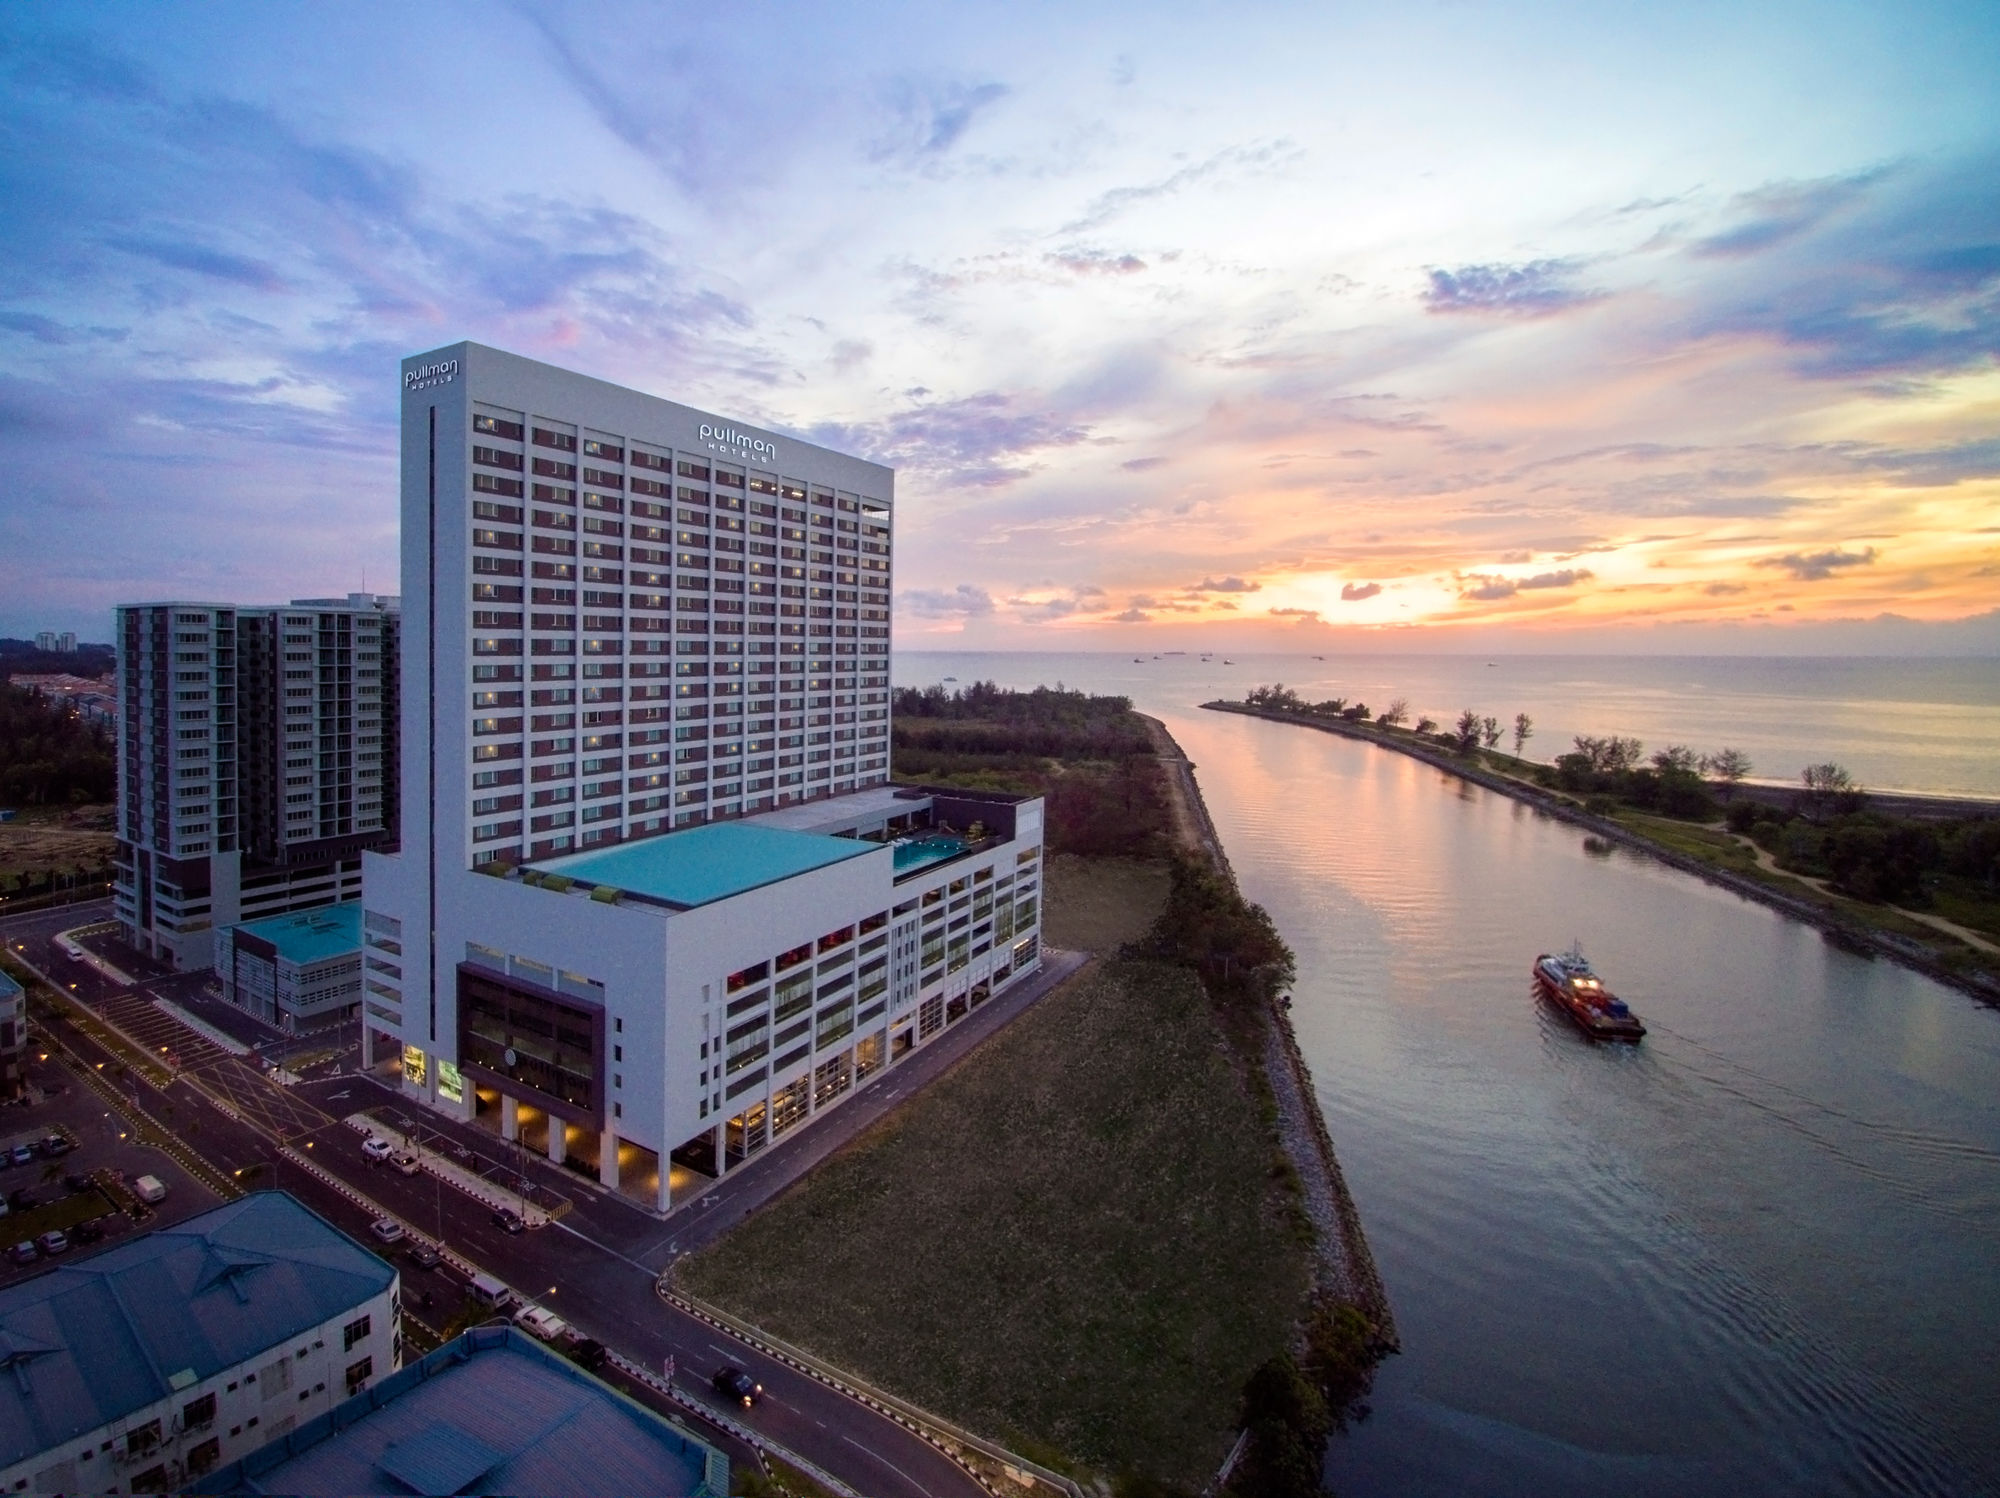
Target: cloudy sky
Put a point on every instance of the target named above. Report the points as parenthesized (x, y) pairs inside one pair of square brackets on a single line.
[(1299, 326)]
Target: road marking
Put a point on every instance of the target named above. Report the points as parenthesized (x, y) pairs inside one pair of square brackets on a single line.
[(651, 1274), (885, 1462)]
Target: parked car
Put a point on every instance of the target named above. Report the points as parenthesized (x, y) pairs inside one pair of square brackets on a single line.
[(24, 1154), (150, 1190), (508, 1220), (589, 1353), (24, 1252), (55, 1241), (20, 1198), (544, 1324), (733, 1383), (87, 1232), (76, 1180), (406, 1162), (424, 1256), (55, 1145), (387, 1229), (375, 1147)]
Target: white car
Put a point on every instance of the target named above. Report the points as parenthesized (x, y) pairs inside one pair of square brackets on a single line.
[(406, 1162), (375, 1147), (544, 1324), (387, 1229)]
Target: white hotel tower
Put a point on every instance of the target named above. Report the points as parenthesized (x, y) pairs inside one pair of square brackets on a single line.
[(655, 896)]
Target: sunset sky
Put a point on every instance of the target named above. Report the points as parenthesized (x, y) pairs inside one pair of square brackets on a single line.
[(1303, 327)]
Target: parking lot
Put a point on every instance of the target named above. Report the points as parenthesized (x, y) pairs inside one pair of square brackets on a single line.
[(105, 1155)]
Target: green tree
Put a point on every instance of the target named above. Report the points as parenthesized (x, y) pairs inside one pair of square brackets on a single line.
[(1829, 791), (1489, 731), (1395, 714), (1524, 729), (1466, 731), (1728, 766)]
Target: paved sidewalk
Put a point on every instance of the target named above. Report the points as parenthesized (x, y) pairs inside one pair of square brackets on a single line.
[(747, 1187)]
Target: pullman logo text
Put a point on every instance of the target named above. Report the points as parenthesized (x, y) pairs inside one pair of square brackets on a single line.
[(741, 444), (425, 376)]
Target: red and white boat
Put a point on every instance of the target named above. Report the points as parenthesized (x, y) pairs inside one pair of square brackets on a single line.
[(1568, 981)]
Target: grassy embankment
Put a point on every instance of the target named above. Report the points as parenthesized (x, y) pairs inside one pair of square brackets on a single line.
[(1903, 878), (1083, 1241)]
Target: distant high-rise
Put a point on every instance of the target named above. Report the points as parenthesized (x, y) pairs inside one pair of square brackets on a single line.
[(52, 642), (256, 751)]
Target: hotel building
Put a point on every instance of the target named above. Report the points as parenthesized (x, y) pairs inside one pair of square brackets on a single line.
[(255, 761), (656, 902)]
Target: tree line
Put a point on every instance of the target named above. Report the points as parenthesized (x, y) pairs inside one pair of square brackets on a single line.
[(50, 754), (1824, 829), (1091, 759)]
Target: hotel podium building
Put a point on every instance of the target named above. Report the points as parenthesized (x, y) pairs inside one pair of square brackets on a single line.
[(656, 902)]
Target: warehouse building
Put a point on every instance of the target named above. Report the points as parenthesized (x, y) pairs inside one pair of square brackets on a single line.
[(146, 1366), (492, 1412)]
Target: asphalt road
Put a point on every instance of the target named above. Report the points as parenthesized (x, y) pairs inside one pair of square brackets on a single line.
[(597, 1288)]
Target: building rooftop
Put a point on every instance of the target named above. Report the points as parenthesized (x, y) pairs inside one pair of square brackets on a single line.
[(103, 1336), (840, 811), (702, 864), (493, 1412), (8, 987), (309, 936)]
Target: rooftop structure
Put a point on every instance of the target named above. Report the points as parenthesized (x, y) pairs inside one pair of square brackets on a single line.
[(178, 1350), (493, 1412), (310, 936)]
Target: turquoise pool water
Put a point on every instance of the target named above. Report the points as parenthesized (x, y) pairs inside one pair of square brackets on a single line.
[(700, 864), (926, 850)]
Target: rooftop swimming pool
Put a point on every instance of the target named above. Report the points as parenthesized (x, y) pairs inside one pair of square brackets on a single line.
[(700, 864), (933, 847)]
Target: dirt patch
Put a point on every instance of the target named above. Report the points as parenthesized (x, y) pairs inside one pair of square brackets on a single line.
[(52, 840)]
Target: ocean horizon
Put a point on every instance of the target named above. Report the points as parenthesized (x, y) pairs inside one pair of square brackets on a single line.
[(1923, 725)]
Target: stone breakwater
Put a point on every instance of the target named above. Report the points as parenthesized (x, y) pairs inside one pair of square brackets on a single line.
[(1910, 953), (1345, 1267)]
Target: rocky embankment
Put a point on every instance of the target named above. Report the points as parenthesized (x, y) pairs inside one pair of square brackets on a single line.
[(1346, 1268)]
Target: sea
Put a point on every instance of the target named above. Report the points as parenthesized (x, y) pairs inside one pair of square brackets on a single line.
[(1757, 1252), (1930, 726)]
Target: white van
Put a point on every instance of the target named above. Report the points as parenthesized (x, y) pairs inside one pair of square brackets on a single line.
[(150, 1190), (491, 1292)]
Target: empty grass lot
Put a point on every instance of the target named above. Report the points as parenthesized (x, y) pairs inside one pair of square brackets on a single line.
[(1098, 904), (1074, 1243)]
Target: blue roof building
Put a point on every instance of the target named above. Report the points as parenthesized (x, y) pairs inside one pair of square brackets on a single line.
[(493, 1412), (13, 1034), (162, 1358), (299, 970)]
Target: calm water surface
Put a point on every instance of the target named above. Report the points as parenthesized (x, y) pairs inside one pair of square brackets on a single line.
[(1919, 725), (1758, 1253)]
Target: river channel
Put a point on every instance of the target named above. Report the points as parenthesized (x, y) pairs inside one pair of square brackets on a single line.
[(1758, 1253)]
